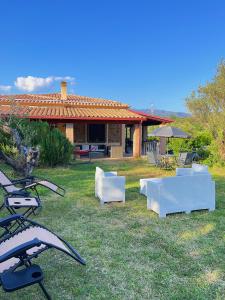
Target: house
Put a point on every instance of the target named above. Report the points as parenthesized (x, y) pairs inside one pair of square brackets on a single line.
[(110, 126)]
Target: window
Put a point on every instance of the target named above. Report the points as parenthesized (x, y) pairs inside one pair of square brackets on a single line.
[(96, 133)]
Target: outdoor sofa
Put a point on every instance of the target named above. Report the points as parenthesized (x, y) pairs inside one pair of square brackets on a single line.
[(109, 187), (191, 189)]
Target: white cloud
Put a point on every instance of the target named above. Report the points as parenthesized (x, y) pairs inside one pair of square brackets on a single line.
[(31, 83), (67, 78), (5, 88)]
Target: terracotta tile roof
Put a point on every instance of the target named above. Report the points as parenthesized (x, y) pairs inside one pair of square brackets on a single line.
[(55, 99), (50, 106), (40, 112)]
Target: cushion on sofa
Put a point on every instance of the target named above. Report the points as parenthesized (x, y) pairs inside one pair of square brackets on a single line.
[(199, 169), (184, 171)]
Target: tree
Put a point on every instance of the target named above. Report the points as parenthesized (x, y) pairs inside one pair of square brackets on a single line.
[(207, 106), (15, 140)]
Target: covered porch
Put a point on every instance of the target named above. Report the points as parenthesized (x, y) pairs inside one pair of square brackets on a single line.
[(104, 139), (111, 138)]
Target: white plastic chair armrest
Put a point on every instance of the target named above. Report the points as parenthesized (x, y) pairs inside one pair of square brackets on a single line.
[(108, 174), (114, 179)]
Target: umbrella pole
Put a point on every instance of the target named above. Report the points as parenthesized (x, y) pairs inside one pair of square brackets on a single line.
[(167, 146)]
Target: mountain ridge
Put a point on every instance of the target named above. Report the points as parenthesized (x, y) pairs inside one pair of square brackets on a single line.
[(164, 113)]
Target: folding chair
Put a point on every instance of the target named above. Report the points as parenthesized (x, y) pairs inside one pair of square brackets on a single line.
[(154, 159), (17, 251), (185, 159), (20, 197)]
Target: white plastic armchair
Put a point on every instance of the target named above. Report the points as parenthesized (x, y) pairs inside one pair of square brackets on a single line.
[(109, 187)]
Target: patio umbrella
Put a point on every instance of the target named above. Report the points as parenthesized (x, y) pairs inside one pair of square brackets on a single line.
[(169, 132)]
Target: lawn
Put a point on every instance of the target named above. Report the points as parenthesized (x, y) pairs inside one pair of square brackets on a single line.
[(130, 252)]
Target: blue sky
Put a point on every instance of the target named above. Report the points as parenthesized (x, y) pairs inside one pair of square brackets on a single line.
[(145, 53)]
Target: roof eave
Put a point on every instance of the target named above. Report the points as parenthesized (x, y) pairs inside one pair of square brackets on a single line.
[(153, 117), (87, 118)]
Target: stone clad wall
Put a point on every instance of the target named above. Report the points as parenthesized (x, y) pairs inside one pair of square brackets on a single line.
[(114, 133), (80, 133)]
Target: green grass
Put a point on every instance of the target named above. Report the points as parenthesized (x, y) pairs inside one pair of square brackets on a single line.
[(130, 252)]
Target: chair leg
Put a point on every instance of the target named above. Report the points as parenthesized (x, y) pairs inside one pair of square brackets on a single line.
[(29, 212), (18, 222), (2, 206), (45, 291)]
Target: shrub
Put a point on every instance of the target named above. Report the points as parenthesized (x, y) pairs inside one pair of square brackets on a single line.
[(55, 148)]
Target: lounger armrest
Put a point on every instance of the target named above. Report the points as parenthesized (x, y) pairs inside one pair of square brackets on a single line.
[(19, 181), (20, 250), (5, 222)]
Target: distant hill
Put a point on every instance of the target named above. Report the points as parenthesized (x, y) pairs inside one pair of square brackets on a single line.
[(165, 113)]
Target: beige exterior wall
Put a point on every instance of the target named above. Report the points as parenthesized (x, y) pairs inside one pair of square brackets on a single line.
[(116, 151), (70, 132)]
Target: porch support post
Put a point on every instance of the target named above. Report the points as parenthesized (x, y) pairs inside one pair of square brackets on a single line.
[(123, 136), (107, 134), (162, 143), (70, 132), (137, 140), (145, 132)]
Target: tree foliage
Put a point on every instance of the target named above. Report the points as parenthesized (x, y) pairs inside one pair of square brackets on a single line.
[(23, 142), (207, 106), (199, 141), (15, 140)]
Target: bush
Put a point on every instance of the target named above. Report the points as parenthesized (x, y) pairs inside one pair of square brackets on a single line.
[(199, 142), (55, 148)]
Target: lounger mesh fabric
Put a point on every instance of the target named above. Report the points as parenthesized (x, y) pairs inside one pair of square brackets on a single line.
[(24, 236), (10, 187), (5, 181), (44, 183)]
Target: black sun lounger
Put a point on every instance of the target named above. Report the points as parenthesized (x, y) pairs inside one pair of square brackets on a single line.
[(18, 250), (18, 193)]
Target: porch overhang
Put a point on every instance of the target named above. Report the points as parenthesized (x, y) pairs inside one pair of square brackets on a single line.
[(150, 120)]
